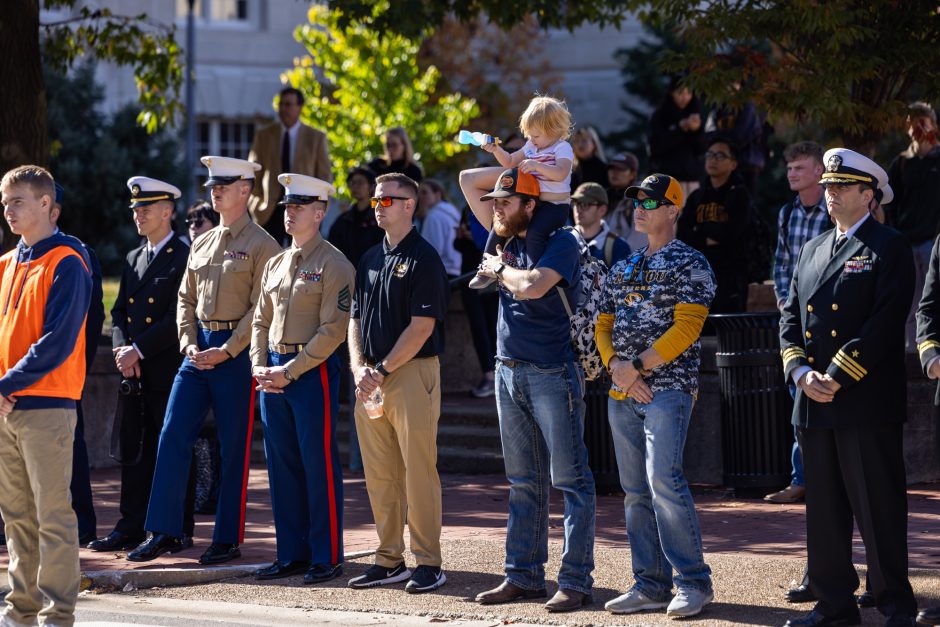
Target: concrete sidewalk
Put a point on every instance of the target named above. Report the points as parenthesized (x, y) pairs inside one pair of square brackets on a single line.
[(756, 551), (475, 507)]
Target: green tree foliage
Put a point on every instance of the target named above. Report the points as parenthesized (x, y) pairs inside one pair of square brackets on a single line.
[(414, 17), (358, 82), (93, 155), (849, 66), (25, 44), (128, 40)]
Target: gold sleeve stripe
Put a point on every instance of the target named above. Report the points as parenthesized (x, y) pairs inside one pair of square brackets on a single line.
[(793, 351), (852, 362), (847, 368), (926, 345)]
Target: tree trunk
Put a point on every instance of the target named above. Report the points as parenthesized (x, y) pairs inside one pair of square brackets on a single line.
[(23, 137)]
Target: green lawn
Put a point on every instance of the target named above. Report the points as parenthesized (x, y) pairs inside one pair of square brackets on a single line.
[(110, 288)]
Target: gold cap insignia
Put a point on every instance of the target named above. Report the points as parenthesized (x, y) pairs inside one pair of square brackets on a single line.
[(286, 180), (135, 190), (835, 162)]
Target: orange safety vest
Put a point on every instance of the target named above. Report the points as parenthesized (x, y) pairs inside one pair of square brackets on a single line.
[(21, 324)]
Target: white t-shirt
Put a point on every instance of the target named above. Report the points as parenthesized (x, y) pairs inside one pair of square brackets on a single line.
[(550, 156)]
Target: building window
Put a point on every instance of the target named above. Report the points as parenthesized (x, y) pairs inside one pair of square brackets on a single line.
[(220, 12), (223, 138)]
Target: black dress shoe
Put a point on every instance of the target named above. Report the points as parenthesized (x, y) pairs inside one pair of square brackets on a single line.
[(815, 619), (319, 573), (219, 553), (115, 541), (866, 599), (929, 617), (279, 570), (800, 594), (154, 546), (87, 537)]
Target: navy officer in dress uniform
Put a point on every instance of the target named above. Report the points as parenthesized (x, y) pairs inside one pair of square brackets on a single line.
[(928, 345), (216, 302), (143, 336), (299, 322), (842, 343)]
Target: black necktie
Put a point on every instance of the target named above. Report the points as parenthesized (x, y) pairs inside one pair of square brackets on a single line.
[(285, 153), (840, 242), (149, 255)]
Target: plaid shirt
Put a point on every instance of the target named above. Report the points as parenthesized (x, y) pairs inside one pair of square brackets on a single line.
[(805, 224)]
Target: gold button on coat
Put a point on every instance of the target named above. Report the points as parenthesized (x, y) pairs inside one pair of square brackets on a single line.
[(130, 300), (835, 307), (808, 334), (810, 360), (149, 320), (809, 308), (834, 333), (150, 300)]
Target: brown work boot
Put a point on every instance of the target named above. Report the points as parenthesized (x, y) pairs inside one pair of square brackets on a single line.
[(507, 592), (790, 494), (568, 600)]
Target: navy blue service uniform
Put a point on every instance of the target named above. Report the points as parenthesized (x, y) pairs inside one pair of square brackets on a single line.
[(845, 317), (144, 314)]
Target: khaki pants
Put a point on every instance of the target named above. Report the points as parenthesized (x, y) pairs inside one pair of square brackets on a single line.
[(41, 529), (399, 454)]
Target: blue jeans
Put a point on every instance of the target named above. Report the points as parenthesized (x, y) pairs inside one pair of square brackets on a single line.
[(662, 525), (541, 424)]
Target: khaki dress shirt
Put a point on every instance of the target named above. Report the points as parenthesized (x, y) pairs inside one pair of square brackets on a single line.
[(305, 299), (222, 281)]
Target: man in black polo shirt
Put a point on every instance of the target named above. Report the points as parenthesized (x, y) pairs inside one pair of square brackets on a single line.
[(395, 335)]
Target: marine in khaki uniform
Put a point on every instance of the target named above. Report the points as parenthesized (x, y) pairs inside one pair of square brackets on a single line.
[(300, 320), (216, 302), (842, 343)]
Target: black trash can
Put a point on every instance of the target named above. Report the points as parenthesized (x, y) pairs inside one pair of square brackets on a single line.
[(756, 408), (597, 438)]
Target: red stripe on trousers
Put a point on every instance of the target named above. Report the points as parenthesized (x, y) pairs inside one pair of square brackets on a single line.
[(328, 456), (251, 425)]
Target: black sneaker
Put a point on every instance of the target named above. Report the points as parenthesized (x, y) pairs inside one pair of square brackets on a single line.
[(380, 576), (425, 579)]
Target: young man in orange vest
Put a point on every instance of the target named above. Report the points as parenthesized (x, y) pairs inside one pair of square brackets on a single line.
[(45, 288)]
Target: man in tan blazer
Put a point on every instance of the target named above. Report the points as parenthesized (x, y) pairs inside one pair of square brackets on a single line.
[(288, 145)]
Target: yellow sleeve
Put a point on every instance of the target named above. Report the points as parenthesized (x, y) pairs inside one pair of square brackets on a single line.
[(603, 337), (686, 328)]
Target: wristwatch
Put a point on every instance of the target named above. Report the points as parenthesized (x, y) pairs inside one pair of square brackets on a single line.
[(288, 375), (499, 269), (638, 364), (380, 368)]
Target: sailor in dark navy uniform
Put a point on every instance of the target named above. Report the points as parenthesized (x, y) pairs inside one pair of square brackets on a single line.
[(143, 334), (842, 343), (928, 345)]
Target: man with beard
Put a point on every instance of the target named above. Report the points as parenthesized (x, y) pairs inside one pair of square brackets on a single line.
[(537, 377)]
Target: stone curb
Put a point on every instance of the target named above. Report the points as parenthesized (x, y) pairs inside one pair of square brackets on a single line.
[(150, 578)]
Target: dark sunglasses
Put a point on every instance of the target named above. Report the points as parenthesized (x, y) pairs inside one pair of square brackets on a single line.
[(385, 201), (649, 203), (718, 156), (196, 222)]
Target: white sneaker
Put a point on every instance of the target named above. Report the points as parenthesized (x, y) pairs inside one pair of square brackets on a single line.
[(633, 601), (688, 602)]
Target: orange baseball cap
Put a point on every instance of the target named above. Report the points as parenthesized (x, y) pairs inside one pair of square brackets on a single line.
[(514, 183)]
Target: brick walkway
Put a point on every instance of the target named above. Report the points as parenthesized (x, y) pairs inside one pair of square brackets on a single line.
[(475, 507)]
